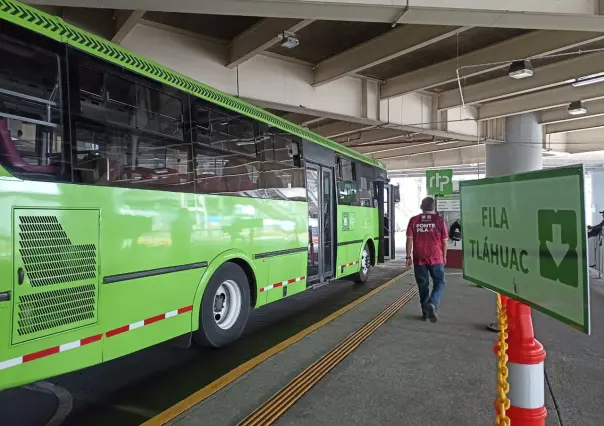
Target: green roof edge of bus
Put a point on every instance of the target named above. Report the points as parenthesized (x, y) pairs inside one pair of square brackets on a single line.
[(57, 29)]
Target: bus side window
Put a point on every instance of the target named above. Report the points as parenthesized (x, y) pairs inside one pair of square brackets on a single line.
[(130, 134), (347, 183), (281, 175), (225, 151), (31, 143), (365, 181)]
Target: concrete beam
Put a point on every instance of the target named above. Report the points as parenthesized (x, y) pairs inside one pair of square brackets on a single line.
[(394, 147), (341, 128), (100, 22), (276, 84), (545, 77), (125, 20), (575, 125), (298, 118), (262, 36), (422, 149), (395, 43), (553, 98), (312, 121), (530, 45), (373, 137), (443, 158), (442, 134), (536, 14), (557, 115), (113, 25), (266, 104)]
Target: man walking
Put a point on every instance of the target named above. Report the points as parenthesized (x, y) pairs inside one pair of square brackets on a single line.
[(427, 250)]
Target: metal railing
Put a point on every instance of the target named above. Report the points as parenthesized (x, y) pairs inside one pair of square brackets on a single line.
[(595, 254)]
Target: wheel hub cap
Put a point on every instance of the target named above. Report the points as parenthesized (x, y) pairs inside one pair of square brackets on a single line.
[(227, 304)]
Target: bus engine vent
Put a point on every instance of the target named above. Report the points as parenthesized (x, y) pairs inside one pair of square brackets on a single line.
[(56, 308), (56, 271), (49, 257)]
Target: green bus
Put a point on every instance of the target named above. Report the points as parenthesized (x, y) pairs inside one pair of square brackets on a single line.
[(138, 205)]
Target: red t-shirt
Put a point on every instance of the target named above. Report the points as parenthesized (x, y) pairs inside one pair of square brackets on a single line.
[(427, 230)]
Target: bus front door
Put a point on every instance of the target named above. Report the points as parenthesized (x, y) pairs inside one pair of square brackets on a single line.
[(386, 209), (320, 193)]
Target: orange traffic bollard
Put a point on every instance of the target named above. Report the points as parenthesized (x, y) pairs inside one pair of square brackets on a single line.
[(526, 374)]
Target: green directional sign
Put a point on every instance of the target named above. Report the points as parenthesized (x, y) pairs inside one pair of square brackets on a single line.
[(524, 236), (439, 182)]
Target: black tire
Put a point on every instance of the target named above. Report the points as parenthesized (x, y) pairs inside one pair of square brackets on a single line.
[(362, 276), (210, 333)]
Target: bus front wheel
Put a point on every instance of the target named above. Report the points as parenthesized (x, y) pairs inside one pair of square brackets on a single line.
[(362, 276), (225, 307)]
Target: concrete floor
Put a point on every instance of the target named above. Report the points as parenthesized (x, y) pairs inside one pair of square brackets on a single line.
[(411, 372), (408, 372)]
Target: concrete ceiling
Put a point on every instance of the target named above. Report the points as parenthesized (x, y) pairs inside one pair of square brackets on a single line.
[(408, 51)]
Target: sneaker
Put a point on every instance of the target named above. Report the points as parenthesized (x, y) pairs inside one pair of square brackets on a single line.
[(424, 316), (431, 311)]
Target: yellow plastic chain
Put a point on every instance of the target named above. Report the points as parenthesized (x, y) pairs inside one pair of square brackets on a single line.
[(503, 387)]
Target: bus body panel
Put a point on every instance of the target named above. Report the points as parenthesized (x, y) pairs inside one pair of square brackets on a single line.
[(355, 226), (116, 269), (145, 232)]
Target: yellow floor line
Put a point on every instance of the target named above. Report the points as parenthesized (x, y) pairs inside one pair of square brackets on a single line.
[(189, 402), (270, 411)]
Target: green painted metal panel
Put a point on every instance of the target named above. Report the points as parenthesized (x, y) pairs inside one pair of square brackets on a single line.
[(142, 230), (71, 360), (354, 224), (56, 28), (56, 280), (522, 242), (283, 268)]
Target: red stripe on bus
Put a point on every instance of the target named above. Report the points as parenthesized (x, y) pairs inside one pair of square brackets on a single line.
[(41, 354), (185, 309), (155, 319), (281, 284), (117, 331), (90, 339)]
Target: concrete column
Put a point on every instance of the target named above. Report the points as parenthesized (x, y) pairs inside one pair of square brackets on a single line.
[(522, 150)]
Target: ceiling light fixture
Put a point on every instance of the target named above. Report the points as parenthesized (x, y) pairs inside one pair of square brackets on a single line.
[(589, 79), (521, 69), (289, 40), (576, 108)]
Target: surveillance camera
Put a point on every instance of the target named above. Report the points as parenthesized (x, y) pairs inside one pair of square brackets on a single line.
[(290, 41)]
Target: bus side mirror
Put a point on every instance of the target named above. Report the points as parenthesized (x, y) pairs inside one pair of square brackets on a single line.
[(396, 193)]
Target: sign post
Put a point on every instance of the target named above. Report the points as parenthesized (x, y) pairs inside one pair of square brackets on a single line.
[(448, 206), (524, 236), (439, 182)]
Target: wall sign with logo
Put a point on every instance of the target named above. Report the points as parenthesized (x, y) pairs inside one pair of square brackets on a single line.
[(439, 182)]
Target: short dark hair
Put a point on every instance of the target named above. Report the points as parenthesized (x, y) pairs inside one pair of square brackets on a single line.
[(427, 204)]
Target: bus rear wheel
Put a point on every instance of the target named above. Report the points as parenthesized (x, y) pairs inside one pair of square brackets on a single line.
[(362, 276), (225, 307)]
